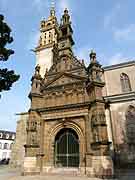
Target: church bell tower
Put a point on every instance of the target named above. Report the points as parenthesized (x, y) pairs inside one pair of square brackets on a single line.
[(48, 37)]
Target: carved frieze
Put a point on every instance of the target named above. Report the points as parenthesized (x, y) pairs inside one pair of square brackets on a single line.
[(65, 114)]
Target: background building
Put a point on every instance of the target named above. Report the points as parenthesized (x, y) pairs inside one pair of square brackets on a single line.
[(119, 91), (6, 142)]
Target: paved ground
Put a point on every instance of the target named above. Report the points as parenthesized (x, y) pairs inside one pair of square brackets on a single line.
[(7, 173)]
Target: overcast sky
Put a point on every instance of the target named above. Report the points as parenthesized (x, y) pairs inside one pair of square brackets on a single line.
[(107, 26)]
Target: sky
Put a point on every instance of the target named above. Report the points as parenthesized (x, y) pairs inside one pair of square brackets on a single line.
[(106, 26)]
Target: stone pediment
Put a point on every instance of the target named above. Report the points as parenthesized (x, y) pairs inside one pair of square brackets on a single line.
[(66, 64), (64, 78)]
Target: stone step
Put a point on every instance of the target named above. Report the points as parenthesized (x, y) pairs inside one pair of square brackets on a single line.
[(64, 171)]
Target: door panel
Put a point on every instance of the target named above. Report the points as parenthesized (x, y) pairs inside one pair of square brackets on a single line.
[(67, 149)]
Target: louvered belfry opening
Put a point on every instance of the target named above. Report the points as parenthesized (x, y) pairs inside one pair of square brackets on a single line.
[(66, 148)]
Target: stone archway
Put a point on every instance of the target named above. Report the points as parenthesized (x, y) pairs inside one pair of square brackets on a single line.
[(52, 136), (66, 151)]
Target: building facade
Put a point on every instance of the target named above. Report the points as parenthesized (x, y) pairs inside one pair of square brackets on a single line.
[(6, 142), (81, 118), (66, 128), (120, 114)]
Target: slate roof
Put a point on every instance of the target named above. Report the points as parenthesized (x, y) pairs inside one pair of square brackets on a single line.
[(7, 135)]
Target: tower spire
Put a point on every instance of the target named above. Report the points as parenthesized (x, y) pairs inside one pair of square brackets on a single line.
[(52, 10)]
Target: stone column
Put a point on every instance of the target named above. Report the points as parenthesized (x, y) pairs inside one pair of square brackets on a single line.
[(32, 146), (88, 153), (101, 160)]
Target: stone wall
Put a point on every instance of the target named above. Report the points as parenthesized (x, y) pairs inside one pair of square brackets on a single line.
[(112, 78), (18, 151)]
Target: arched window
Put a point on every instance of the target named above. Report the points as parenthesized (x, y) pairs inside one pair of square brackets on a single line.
[(7, 136), (6, 146), (125, 83)]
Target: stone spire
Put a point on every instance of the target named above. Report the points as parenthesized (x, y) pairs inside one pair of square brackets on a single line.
[(66, 17), (52, 10), (93, 56), (65, 39), (49, 31)]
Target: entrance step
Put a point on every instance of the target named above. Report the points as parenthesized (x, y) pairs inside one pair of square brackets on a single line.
[(64, 171)]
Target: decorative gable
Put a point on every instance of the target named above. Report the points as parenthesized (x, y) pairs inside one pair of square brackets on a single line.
[(64, 78), (66, 64)]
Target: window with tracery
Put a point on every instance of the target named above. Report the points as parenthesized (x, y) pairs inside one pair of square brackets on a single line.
[(125, 83)]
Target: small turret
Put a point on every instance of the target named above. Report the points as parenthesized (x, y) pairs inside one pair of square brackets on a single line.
[(36, 81), (65, 18), (94, 69), (65, 40), (92, 56), (95, 73)]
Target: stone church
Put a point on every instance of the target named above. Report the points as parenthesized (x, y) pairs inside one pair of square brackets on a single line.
[(81, 119)]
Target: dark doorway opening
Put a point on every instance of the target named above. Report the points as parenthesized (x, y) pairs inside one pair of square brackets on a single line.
[(66, 148)]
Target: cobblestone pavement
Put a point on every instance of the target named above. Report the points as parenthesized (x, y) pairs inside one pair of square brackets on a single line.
[(7, 173)]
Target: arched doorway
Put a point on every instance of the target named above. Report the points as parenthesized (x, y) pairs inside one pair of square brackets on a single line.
[(66, 148)]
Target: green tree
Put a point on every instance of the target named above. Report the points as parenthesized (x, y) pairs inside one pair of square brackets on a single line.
[(7, 77)]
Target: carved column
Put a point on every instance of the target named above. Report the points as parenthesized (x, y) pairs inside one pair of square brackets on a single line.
[(101, 161), (32, 144)]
